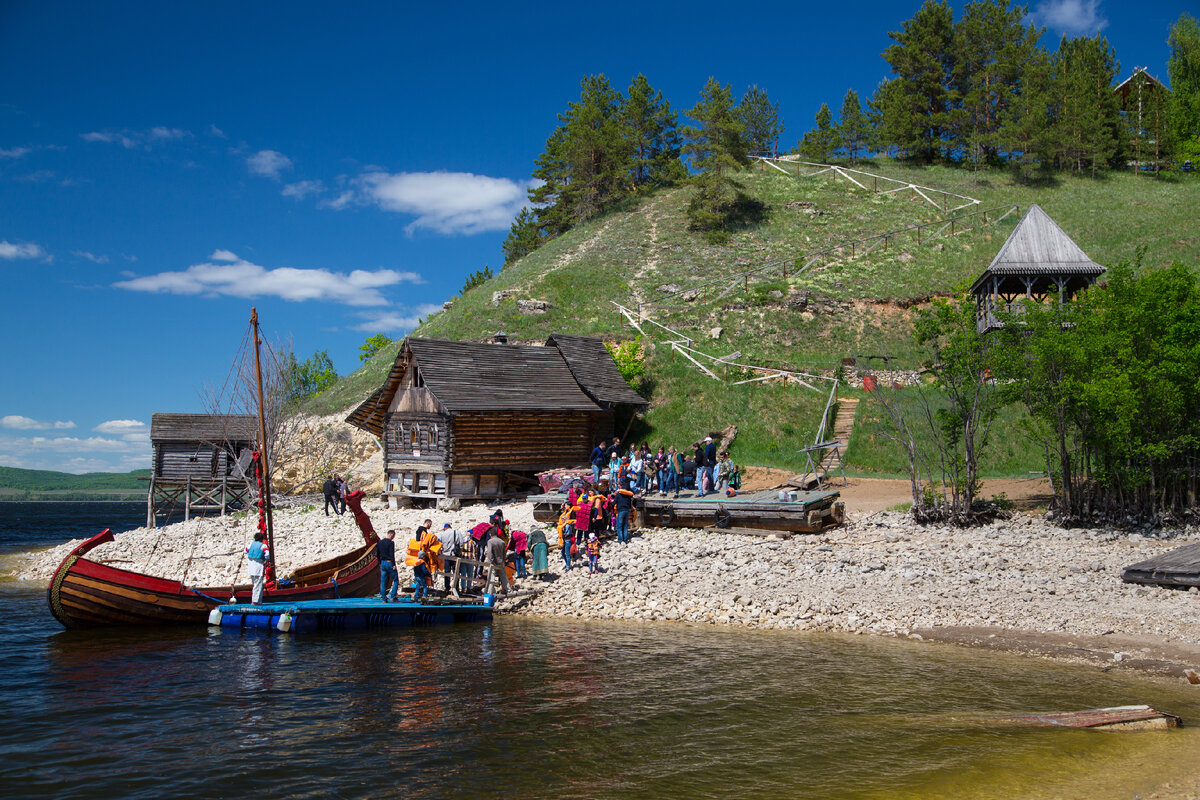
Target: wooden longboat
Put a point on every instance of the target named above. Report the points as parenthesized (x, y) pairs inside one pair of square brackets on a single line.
[(86, 593), (801, 512)]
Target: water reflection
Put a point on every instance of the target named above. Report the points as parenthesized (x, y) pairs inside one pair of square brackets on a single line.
[(547, 709)]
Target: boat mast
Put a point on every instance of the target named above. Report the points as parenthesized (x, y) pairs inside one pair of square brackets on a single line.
[(262, 441)]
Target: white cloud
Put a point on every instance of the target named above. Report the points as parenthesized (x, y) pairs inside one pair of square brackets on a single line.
[(236, 277), (1072, 17), (302, 189), (213, 130), (447, 202), (16, 422), (120, 426), (15, 152), (75, 454), (268, 163), (397, 321), (95, 259), (167, 134), (11, 251), (338, 203), (92, 444), (131, 140), (108, 137)]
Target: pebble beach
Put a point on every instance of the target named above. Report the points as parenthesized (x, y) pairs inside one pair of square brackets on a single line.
[(1015, 583)]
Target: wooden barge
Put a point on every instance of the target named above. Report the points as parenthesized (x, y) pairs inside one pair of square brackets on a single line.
[(794, 511), (312, 616), (1179, 568)]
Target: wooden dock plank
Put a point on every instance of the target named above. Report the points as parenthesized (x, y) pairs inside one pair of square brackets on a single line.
[(1179, 567)]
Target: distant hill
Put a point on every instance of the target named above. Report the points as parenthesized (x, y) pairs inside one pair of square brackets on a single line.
[(849, 306), (18, 483)]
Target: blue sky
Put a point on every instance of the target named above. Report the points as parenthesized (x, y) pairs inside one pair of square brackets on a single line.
[(164, 166)]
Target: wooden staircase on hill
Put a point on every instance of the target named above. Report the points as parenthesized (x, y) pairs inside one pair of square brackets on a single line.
[(843, 426), (826, 457)]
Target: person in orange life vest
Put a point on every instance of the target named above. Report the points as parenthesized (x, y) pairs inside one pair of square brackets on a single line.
[(259, 556), (593, 553), (431, 544), (422, 574)]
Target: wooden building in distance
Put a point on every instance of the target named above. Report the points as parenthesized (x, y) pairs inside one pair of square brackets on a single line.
[(1037, 258), (200, 463), (477, 421)]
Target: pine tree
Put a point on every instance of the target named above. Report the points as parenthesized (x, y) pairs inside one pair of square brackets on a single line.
[(585, 167), (888, 114), (1183, 69), (650, 127), (717, 147), (992, 49), (854, 127), (1026, 133), (523, 237), (716, 144), (761, 122), (923, 61), (820, 142), (1088, 119)]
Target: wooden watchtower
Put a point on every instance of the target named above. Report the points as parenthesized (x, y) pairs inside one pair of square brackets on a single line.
[(1037, 258), (201, 463)]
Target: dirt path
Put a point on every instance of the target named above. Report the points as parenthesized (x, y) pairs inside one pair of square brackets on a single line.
[(650, 265)]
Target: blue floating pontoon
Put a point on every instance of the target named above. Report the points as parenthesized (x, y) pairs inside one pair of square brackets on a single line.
[(359, 613)]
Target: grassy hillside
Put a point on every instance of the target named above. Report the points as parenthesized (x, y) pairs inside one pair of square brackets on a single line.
[(15, 482), (857, 305)]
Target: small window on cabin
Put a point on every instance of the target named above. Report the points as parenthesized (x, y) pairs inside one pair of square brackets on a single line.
[(418, 379)]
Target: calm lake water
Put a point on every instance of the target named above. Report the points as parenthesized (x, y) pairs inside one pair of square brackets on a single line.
[(529, 709)]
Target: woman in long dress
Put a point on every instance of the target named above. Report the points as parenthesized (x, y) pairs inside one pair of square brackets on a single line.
[(540, 551)]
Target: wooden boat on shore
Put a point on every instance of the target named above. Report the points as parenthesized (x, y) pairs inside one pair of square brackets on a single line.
[(796, 511), (85, 593)]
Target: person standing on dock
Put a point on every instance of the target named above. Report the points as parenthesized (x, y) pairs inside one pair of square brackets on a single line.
[(599, 459), (674, 470), (258, 556), (422, 574), (710, 465), (386, 549), (701, 472)]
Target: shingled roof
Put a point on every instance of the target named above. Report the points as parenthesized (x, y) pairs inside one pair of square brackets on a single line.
[(1037, 246), (213, 428), (465, 376), (593, 367)]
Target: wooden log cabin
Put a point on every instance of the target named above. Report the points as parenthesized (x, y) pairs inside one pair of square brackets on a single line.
[(199, 463), (477, 421)]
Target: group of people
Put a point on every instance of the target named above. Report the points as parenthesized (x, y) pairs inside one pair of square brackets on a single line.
[(509, 553), (335, 490), (668, 470)]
